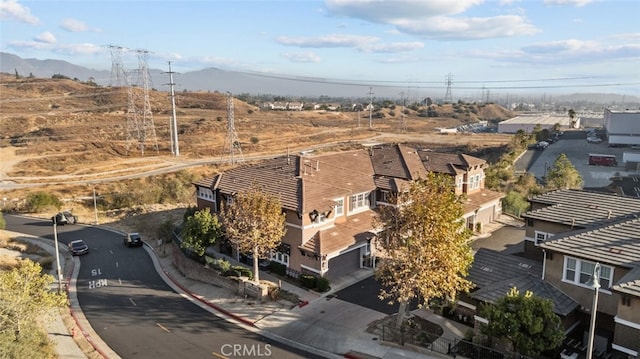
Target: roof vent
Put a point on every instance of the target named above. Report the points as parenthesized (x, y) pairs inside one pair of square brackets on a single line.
[(609, 214), (615, 250), (487, 269), (524, 265)]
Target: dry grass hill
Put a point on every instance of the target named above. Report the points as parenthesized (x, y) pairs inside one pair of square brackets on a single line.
[(61, 128)]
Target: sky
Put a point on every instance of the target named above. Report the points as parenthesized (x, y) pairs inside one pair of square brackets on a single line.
[(503, 45)]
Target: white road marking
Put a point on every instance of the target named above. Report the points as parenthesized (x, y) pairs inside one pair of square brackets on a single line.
[(132, 302), (163, 328)]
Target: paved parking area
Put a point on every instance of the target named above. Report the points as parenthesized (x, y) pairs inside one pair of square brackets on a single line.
[(575, 146)]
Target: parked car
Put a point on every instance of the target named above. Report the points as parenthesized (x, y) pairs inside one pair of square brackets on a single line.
[(248, 260), (594, 139), (132, 240), (64, 217), (78, 247)]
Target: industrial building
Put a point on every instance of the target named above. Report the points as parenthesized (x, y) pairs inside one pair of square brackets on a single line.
[(622, 127), (528, 122)]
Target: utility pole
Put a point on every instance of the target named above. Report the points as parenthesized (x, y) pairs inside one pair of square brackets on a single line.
[(55, 241), (232, 143), (173, 123), (448, 81), (370, 107)]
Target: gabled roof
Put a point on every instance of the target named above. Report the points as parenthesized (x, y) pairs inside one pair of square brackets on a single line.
[(401, 161), (562, 303), (355, 231), (477, 200), (491, 267), (303, 183), (584, 209), (616, 244), (629, 284)]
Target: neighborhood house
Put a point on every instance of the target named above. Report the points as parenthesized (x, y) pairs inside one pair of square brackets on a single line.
[(330, 200)]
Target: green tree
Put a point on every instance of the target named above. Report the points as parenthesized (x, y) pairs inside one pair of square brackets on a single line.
[(515, 202), (25, 298), (526, 321), (572, 116), (40, 201), (3, 223), (255, 223), (563, 175), (426, 245), (201, 231)]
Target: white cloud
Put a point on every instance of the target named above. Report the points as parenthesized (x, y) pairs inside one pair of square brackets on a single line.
[(391, 11), (46, 37), (577, 3), (392, 47), (302, 57), (434, 19), (73, 25), (331, 40), (469, 28), (66, 49), (12, 10)]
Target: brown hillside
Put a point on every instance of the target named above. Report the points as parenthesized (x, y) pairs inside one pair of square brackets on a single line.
[(64, 127)]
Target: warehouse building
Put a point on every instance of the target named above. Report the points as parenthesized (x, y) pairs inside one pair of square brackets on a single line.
[(622, 127), (528, 122)]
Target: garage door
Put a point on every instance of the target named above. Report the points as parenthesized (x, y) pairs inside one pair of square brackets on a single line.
[(344, 264)]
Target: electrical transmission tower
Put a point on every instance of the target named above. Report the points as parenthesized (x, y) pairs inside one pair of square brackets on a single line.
[(232, 142), (448, 81), (118, 75), (140, 124), (173, 123)]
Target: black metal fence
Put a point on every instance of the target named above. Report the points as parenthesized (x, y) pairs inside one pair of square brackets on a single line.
[(432, 342)]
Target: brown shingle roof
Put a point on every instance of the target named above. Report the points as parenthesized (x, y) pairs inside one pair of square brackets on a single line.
[(477, 199), (617, 244), (356, 230), (584, 209)]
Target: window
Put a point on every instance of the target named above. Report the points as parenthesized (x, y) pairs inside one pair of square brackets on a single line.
[(384, 196), (280, 258), (359, 201), (205, 193), (542, 236), (339, 207), (459, 181), (578, 271)]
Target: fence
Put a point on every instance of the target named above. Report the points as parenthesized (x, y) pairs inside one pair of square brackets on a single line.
[(431, 342)]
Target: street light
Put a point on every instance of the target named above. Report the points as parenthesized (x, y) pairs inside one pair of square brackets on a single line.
[(95, 204), (55, 240), (592, 326)]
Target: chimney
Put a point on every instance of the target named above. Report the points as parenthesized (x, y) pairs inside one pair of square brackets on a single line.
[(609, 214)]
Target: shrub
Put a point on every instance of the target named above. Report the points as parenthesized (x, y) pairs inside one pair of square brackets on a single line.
[(323, 284), (46, 262), (239, 271), (221, 264), (277, 268), (308, 281), (3, 223), (255, 140), (40, 201)]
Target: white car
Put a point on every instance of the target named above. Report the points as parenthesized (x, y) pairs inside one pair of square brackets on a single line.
[(594, 139)]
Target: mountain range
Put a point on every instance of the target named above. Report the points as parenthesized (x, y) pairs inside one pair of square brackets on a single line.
[(215, 79)]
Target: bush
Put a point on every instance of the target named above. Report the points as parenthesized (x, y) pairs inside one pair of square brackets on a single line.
[(221, 264), (3, 223), (239, 271), (323, 284), (277, 268), (308, 281), (40, 201)]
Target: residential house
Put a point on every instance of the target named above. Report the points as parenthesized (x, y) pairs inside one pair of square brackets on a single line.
[(330, 199), (569, 231), (493, 274)]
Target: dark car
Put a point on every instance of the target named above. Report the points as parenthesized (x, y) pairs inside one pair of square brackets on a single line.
[(132, 240), (78, 247), (65, 217), (248, 260)]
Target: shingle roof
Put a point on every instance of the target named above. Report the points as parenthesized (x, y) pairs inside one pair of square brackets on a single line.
[(562, 303), (616, 244), (356, 230), (278, 176), (584, 209), (480, 198), (630, 283), (491, 267)]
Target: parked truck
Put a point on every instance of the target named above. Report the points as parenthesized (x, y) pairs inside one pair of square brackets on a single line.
[(602, 160)]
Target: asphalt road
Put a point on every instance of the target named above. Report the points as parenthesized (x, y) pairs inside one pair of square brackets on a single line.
[(365, 293), (136, 313)]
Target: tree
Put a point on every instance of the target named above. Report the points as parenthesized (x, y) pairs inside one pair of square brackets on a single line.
[(255, 223), (572, 116), (526, 321), (426, 247), (201, 231), (563, 174), (25, 297)]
